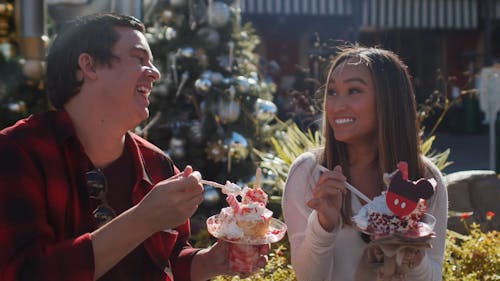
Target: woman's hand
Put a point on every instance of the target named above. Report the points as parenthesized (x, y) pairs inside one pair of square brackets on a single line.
[(327, 197), (395, 257)]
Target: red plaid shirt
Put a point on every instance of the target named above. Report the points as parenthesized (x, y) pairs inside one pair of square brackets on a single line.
[(45, 213)]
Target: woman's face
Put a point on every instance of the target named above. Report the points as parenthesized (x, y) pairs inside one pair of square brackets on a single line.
[(350, 103)]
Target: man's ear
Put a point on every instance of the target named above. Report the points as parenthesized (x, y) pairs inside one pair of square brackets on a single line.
[(87, 66)]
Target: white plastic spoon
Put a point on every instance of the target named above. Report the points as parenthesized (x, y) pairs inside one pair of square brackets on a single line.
[(229, 187), (349, 186)]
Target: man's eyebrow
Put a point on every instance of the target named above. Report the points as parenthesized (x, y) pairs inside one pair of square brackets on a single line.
[(142, 50)]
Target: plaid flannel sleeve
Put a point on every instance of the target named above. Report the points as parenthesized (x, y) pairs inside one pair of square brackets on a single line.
[(29, 247)]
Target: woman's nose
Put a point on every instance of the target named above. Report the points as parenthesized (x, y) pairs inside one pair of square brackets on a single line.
[(340, 103)]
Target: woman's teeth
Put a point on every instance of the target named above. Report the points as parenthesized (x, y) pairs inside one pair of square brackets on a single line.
[(344, 121)]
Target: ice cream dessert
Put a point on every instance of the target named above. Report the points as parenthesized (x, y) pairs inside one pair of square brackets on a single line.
[(249, 218), (399, 209), (247, 224)]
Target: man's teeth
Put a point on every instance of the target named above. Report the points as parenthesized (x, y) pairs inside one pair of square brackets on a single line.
[(344, 120), (143, 89)]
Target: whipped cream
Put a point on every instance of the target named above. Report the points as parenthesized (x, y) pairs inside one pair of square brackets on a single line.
[(228, 226), (377, 205)]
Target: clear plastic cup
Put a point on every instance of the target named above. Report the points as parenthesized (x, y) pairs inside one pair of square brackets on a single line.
[(243, 257)]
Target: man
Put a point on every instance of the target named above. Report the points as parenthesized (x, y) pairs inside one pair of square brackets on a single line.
[(82, 198)]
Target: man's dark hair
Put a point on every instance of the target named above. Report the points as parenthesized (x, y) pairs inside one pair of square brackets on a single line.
[(94, 35)]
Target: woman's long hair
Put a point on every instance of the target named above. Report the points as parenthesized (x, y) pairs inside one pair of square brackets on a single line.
[(398, 126)]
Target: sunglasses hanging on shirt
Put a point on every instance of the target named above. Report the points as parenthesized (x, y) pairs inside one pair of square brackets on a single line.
[(97, 189)]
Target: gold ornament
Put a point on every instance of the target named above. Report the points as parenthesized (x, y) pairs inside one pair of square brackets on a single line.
[(237, 146), (216, 151), (166, 16), (6, 10), (33, 69)]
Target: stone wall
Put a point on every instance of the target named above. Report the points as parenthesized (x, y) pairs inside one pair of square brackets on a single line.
[(474, 191)]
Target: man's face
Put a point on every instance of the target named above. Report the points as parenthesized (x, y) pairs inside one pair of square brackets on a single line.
[(126, 85)]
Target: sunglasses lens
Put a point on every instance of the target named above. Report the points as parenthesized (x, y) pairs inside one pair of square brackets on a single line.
[(103, 214), (96, 187), (96, 184)]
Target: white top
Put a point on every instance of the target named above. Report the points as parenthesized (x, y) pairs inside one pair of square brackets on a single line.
[(320, 255)]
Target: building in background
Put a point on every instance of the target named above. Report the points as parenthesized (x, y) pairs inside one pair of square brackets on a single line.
[(455, 37)]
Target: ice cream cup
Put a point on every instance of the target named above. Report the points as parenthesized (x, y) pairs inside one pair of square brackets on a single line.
[(243, 257), (244, 251)]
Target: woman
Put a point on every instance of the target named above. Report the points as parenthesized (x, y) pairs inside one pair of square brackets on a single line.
[(369, 125)]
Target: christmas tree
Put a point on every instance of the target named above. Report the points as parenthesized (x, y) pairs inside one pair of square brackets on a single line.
[(213, 104), (21, 89)]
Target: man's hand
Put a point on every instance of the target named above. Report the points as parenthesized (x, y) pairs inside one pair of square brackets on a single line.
[(172, 201), (215, 261)]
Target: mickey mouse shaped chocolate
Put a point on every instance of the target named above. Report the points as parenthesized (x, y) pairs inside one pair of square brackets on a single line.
[(404, 195)]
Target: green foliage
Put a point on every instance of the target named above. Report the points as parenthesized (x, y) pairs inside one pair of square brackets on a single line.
[(287, 145), (472, 257), (438, 158)]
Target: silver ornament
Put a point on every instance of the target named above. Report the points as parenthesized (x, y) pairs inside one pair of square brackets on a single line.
[(209, 36), (216, 78), (7, 50), (227, 81), (218, 14), (177, 147), (196, 131), (206, 74), (223, 61), (202, 85), (242, 85), (228, 111), (170, 33), (265, 110), (152, 36), (237, 146), (186, 52), (18, 107)]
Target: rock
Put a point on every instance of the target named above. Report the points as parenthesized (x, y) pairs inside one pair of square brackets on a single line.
[(474, 191)]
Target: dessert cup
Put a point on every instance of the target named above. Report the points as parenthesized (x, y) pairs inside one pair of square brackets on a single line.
[(244, 251), (243, 257)]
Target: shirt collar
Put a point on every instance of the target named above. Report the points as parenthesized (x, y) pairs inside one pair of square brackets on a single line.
[(141, 170), (64, 127)]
